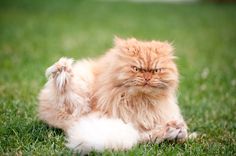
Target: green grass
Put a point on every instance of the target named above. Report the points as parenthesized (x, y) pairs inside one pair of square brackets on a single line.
[(34, 34)]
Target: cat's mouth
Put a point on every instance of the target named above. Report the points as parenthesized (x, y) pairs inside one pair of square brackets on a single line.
[(146, 84), (156, 86)]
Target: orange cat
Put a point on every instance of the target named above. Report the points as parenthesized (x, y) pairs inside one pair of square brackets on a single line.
[(125, 97)]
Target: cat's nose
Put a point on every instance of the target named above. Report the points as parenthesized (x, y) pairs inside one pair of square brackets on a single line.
[(147, 76), (147, 79)]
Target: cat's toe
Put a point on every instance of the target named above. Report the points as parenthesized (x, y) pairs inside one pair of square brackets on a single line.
[(182, 135), (176, 130), (172, 133), (176, 124), (63, 65)]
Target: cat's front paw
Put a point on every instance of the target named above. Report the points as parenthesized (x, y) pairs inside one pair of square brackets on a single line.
[(176, 130)]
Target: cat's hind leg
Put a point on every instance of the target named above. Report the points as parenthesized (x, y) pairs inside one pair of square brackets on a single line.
[(65, 96), (61, 72)]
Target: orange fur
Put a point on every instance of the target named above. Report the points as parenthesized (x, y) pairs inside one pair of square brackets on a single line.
[(135, 81)]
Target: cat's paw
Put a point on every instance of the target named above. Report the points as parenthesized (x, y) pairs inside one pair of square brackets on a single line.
[(61, 72), (62, 65), (176, 130)]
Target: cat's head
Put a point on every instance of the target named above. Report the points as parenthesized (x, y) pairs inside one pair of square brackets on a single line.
[(145, 66)]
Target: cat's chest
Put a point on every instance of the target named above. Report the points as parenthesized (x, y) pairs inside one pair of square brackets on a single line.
[(139, 105), (145, 111), (140, 102)]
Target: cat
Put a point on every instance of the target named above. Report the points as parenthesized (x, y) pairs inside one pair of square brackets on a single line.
[(125, 97)]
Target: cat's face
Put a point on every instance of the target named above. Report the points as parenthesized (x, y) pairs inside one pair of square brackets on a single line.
[(145, 66)]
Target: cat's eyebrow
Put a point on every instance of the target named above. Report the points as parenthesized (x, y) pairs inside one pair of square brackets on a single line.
[(142, 61), (139, 63), (156, 64), (136, 63)]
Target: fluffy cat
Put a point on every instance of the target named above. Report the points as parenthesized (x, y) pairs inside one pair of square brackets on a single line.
[(123, 98)]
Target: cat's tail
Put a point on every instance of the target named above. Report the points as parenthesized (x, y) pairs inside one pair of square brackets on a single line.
[(99, 133)]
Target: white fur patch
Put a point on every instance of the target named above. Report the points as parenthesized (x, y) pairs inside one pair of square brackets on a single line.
[(94, 133)]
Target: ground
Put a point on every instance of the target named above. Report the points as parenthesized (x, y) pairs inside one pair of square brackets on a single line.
[(35, 34)]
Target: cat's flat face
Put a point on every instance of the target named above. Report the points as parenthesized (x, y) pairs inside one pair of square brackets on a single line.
[(146, 66)]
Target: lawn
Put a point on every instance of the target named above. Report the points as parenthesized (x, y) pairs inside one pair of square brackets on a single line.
[(34, 34)]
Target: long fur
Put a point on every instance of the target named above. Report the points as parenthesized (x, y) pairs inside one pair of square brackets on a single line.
[(94, 133), (134, 83)]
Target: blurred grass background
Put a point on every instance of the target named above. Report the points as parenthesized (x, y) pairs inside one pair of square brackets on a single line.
[(34, 34)]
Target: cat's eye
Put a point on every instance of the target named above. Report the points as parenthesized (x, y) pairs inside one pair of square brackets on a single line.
[(158, 70), (136, 69)]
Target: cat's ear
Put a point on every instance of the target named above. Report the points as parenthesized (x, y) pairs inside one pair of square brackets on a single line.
[(126, 46), (164, 47), (120, 42)]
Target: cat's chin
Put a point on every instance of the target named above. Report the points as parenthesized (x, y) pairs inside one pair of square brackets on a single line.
[(146, 89)]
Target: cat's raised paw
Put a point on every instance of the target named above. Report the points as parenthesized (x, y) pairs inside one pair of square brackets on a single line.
[(62, 65), (61, 72)]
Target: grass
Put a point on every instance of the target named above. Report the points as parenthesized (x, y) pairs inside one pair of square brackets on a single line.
[(34, 34)]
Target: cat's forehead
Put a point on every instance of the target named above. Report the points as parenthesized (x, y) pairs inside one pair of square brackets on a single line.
[(147, 59), (142, 46), (145, 54), (153, 48), (148, 51)]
